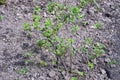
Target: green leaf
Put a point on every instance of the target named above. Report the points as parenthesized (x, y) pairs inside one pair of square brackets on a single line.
[(79, 16), (91, 65), (39, 43), (35, 25), (74, 29), (26, 26), (70, 40), (88, 40), (43, 63), (73, 78), (75, 10), (48, 23), (97, 25), (80, 73), (22, 71), (37, 9)]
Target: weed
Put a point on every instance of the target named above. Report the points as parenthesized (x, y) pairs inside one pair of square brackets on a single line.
[(28, 54), (91, 56), (80, 73), (51, 6), (84, 2), (98, 49), (91, 65), (74, 29), (28, 61), (79, 16), (88, 40), (1, 17), (75, 10), (26, 26), (83, 49), (54, 62), (22, 71), (36, 9), (61, 15), (97, 25), (73, 78), (112, 62), (43, 63), (2, 2)]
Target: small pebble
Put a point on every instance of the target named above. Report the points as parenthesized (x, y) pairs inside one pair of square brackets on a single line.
[(52, 73)]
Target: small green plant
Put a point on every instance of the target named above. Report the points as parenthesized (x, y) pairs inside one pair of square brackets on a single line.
[(29, 61), (88, 40), (112, 62), (97, 25), (1, 17), (80, 73), (54, 62), (22, 71), (26, 26), (74, 29), (91, 65), (28, 54), (84, 49), (84, 2), (75, 10), (43, 63), (2, 2), (98, 49), (16, 79), (73, 78), (92, 56), (36, 10), (51, 6), (62, 17)]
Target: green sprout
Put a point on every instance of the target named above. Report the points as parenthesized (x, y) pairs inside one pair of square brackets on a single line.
[(22, 71), (26, 26), (73, 78), (88, 41), (98, 49), (1, 17), (2, 2), (80, 73), (75, 10), (97, 25), (74, 29), (91, 65), (43, 63)]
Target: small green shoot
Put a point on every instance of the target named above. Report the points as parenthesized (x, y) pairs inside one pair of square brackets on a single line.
[(90, 65), (80, 73), (79, 16), (97, 25), (74, 29), (2, 2), (26, 26), (112, 62), (37, 9), (98, 49), (43, 63), (88, 40), (28, 54), (22, 71), (28, 61), (75, 10), (54, 62), (73, 78), (1, 17)]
